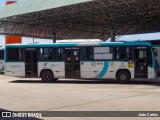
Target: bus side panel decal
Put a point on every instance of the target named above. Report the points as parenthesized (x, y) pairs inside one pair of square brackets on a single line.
[(16, 69), (91, 69), (104, 70), (151, 73)]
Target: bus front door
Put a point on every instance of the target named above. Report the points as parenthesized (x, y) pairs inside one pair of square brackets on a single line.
[(141, 63), (72, 63), (31, 59)]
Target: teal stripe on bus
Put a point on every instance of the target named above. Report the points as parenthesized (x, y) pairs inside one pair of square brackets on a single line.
[(41, 45), (78, 44), (104, 70), (125, 44)]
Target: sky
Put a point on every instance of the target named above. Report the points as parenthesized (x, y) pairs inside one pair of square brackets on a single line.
[(149, 36), (2, 2), (24, 39)]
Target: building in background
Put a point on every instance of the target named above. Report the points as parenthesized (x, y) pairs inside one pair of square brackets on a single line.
[(12, 39)]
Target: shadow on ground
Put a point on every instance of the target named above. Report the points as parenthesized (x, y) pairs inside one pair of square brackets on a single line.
[(13, 118), (81, 81)]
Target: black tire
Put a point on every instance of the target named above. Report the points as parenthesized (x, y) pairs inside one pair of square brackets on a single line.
[(123, 77), (47, 76)]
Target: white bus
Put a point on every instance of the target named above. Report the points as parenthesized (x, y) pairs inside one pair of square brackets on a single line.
[(101, 60), (1, 59)]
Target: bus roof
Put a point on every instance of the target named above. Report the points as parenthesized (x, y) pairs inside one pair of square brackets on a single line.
[(79, 44)]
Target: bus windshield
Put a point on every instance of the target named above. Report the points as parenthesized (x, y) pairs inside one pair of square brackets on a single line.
[(155, 56)]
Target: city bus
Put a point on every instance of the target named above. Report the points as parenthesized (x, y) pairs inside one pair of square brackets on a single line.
[(1, 60), (96, 60)]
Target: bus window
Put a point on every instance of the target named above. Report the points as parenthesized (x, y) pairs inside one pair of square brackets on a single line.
[(46, 53), (15, 54), (122, 53), (142, 56), (87, 53), (76, 56), (103, 53), (58, 53)]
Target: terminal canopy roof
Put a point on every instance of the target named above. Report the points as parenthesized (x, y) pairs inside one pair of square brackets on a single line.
[(80, 19)]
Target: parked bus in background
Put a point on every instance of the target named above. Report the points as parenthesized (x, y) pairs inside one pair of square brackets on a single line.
[(1, 60), (101, 60)]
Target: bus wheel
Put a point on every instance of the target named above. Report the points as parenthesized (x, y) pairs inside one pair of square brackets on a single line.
[(55, 79), (47, 76), (123, 77)]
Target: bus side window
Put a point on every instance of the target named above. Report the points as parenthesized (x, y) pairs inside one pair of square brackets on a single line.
[(21, 54), (58, 53), (15, 54), (87, 53), (103, 53), (45, 53), (122, 53), (142, 56)]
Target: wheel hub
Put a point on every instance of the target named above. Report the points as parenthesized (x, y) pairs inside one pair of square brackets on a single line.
[(123, 77)]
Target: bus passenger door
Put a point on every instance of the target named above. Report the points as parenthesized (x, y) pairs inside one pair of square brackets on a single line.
[(72, 63), (31, 61), (141, 63)]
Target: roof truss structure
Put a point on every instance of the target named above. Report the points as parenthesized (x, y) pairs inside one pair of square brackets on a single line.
[(93, 19)]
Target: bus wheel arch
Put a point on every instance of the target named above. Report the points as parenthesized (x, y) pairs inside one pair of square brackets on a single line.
[(123, 75), (47, 75)]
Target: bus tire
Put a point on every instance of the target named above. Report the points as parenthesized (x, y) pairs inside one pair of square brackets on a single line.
[(55, 79), (47, 76), (123, 76)]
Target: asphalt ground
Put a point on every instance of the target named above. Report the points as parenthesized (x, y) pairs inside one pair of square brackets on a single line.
[(30, 94)]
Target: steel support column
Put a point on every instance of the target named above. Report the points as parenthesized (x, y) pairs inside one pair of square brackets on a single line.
[(54, 37), (113, 34)]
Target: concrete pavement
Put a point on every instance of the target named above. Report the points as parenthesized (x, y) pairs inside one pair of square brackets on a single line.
[(24, 94)]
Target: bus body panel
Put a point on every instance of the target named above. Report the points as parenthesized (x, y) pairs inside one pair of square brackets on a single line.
[(151, 73), (58, 68), (91, 69), (16, 69), (1, 65), (104, 69)]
